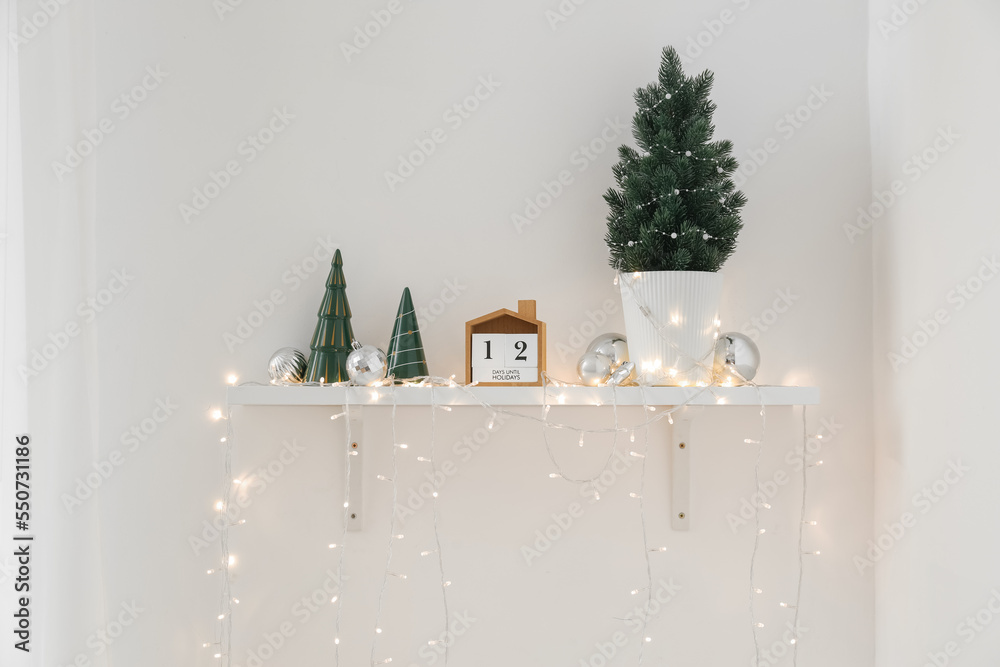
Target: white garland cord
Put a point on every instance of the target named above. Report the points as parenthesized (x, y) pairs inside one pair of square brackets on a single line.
[(645, 534), (754, 623), (437, 532), (392, 531), (802, 525), (225, 634), (342, 545)]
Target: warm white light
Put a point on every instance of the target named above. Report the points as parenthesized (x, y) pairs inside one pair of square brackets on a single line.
[(635, 591), (634, 495), (811, 523), (346, 505), (792, 641), (232, 379), (554, 475), (334, 598), (649, 639), (210, 572), (378, 630), (338, 415), (446, 584), (423, 459), (758, 591), (222, 439), (219, 505), (675, 319), (232, 560), (399, 537), (659, 549), (761, 531), (751, 441), (236, 600), (760, 625), (636, 455), (561, 398), (333, 546), (426, 553), (631, 436), (237, 481), (221, 616), (766, 506), (652, 408), (581, 440), (720, 401), (435, 494), (216, 414), (336, 640), (374, 395)]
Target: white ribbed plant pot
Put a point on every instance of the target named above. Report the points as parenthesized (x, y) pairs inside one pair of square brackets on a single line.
[(685, 307)]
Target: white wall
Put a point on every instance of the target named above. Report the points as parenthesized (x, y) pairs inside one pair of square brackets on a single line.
[(935, 401), (449, 223)]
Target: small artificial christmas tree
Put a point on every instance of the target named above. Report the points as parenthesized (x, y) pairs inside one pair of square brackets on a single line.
[(675, 208), (331, 342), (406, 350)]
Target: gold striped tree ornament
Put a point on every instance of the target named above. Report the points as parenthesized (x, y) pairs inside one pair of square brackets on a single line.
[(407, 359), (331, 341)]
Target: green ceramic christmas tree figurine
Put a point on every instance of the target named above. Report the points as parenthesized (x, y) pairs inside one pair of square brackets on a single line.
[(331, 342), (406, 350)]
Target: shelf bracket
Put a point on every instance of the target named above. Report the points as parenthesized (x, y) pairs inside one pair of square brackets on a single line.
[(356, 497), (680, 465)]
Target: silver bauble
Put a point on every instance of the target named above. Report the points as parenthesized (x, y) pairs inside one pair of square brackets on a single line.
[(287, 365), (594, 368), (736, 359), (366, 364), (611, 345), (622, 375)]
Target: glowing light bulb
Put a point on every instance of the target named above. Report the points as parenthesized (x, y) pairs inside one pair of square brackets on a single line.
[(322, 380), (333, 545), (404, 446), (334, 598), (811, 523), (637, 455), (219, 506), (634, 495), (446, 408), (652, 408), (758, 591), (446, 584), (378, 630), (751, 441), (346, 505), (232, 379), (766, 506), (337, 416), (223, 439), (434, 495), (216, 414), (423, 459), (236, 600), (232, 560), (336, 640), (649, 639), (659, 549), (554, 475), (631, 436), (492, 423), (426, 553), (399, 537), (561, 398), (374, 395), (635, 591), (792, 641), (760, 625), (237, 481), (210, 572), (221, 616), (721, 400), (761, 531), (581, 440)]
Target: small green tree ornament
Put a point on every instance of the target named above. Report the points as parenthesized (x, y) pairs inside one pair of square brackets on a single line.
[(406, 351), (676, 207), (331, 342)]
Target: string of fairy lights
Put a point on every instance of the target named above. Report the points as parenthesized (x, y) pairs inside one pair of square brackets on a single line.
[(359, 396)]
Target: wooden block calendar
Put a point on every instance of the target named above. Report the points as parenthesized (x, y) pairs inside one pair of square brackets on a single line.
[(506, 349)]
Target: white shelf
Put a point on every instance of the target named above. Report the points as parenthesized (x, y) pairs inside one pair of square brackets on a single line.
[(520, 396)]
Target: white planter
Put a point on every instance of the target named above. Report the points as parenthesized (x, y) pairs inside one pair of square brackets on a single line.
[(673, 342)]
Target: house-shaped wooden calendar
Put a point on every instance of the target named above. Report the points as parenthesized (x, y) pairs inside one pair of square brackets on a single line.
[(506, 349)]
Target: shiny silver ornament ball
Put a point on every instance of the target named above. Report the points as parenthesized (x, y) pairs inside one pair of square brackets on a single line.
[(736, 359), (611, 345), (287, 365), (366, 364), (594, 368), (622, 375)]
